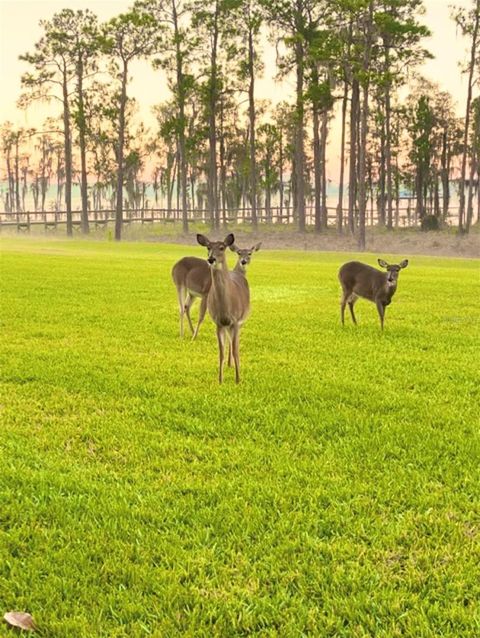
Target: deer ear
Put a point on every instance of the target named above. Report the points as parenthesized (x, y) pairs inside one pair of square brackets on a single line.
[(203, 241), (229, 240), (382, 263), (404, 263), (257, 246), (234, 248)]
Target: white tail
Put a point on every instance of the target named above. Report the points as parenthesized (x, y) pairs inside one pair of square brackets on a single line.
[(228, 300), (192, 280), (361, 280)]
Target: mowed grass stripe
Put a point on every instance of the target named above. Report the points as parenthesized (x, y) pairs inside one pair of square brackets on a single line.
[(334, 492)]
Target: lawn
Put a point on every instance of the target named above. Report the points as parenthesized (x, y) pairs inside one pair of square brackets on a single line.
[(334, 492)]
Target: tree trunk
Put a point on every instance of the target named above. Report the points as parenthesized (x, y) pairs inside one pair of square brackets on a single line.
[(182, 123), (223, 173), (473, 162), (419, 211), (120, 150), (11, 181), (24, 186), (463, 171), (212, 134), (362, 199), (251, 117), (388, 145), (172, 177), (192, 190), (59, 182), (43, 179), (268, 190), (83, 146), (478, 193), (397, 192), (352, 187), (342, 160), (317, 168), (381, 177), (323, 158), (280, 173), (178, 180), (363, 133), (170, 169), (370, 189), (444, 175), (436, 195), (299, 148), (17, 175), (68, 154)]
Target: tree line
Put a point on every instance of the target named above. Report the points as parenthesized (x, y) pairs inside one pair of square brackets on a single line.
[(219, 148)]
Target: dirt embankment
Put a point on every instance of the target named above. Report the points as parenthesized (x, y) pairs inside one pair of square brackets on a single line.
[(401, 242)]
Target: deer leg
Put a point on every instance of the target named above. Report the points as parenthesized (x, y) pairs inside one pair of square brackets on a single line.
[(188, 305), (236, 351), (351, 303), (181, 304), (381, 311), (230, 348), (221, 352), (343, 303), (201, 316)]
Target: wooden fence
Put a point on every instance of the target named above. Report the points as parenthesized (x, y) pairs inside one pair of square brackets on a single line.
[(50, 220)]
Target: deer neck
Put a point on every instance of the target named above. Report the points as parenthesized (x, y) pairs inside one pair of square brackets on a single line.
[(390, 288), (239, 268), (219, 289)]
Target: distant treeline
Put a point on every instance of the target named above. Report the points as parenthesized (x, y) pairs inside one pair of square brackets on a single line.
[(218, 147)]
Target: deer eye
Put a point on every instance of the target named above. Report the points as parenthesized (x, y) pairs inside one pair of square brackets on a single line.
[(222, 248)]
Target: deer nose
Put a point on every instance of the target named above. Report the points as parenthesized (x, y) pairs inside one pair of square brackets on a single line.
[(211, 260)]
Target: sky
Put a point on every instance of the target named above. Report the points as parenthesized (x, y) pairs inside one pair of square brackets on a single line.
[(19, 30)]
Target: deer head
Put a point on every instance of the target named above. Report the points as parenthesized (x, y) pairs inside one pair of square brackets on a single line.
[(216, 249), (393, 270), (245, 254)]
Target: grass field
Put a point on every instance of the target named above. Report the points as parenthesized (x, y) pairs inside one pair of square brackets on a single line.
[(334, 492)]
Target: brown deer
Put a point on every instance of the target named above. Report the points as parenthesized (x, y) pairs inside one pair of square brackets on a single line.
[(361, 280), (228, 300), (191, 276), (192, 279)]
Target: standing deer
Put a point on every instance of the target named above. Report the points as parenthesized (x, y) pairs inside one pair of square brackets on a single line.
[(228, 299), (361, 280), (191, 276), (192, 279)]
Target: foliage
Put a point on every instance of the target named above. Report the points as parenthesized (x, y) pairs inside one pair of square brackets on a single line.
[(361, 52)]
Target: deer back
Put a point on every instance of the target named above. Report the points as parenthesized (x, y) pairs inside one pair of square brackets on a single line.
[(192, 273)]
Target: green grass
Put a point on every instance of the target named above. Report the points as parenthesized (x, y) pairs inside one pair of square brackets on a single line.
[(334, 492)]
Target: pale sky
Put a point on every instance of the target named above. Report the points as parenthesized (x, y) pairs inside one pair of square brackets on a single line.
[(19, 30)]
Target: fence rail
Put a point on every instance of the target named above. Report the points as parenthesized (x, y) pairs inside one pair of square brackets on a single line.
[(50, 220)]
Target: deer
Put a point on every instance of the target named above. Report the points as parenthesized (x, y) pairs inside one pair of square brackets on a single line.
[(192, 279), (360, 280), (228, 300)]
